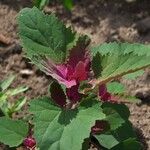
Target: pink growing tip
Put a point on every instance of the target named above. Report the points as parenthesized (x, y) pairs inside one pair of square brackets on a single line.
[(73, 93), (29, 143)]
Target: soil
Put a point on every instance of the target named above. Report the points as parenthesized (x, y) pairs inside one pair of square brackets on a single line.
[(103, 21)]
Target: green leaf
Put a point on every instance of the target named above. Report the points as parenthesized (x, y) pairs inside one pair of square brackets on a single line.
[(40, 3), (118, 89), (132, 99), (120, 131), (106, 140), (16, 91), (115, 120), (119, 59), (96, 65), (6, 83), (115, 88), (124, 132), (129, 144), (113, 115), (55, 128), (3, 98), (123, 139), (18, 104), (12, 132), (68, 4), (57, 93), (85, 145), (121, 109), (44, 36), (127, 137), (134, 75)]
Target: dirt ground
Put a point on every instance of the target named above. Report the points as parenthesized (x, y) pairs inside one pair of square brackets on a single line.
[(103, 21)]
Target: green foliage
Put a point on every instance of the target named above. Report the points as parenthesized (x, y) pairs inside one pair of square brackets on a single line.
[(129, 144), (121, 109), (6, 106), (45, 37), (57, 93), (121, 133), (63, 129), (115, 88), (127, 138), (6, 83), (68, 4), (119, 59), (40, 3), (62, 126), (44, 34), (12, 132), (116, 114), (104, 138), (118, 89), (96, 65)]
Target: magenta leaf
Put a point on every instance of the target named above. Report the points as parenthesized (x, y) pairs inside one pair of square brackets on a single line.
[(58, 72), (73, 94), (80, 73), (76, 69), (79, 52)]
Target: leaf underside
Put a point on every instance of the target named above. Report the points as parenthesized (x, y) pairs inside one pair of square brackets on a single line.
[(57, 129), (119, 59)]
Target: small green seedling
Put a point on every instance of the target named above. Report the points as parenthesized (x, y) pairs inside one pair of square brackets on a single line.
[(7, 108), (68, 4)]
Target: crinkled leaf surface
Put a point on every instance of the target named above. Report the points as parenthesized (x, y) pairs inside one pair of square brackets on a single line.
[(12, 132), (119, 59), (44, 35), (57, 129)]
